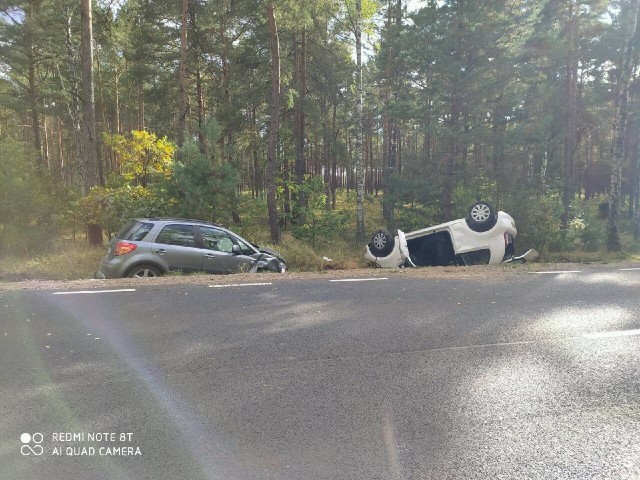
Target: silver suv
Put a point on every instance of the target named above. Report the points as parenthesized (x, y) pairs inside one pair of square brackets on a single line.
[(148, 247)]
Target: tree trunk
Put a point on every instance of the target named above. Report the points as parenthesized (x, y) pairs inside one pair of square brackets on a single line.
[(300, 62), (202, 140), (359, 170), (613, 237), (103, 169), (455, 110), (388, 156), (46, 161), (89, 163), (274, 125), (141, 105), (116, 127), (636, 226), (568, 186), (33, 88), (73, 105), (334, 156), (182, 80), (61, 163)]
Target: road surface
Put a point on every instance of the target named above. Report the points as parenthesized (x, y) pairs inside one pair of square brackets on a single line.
[(534, 375)]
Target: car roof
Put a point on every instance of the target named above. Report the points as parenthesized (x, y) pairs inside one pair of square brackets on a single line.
[(175, 219)]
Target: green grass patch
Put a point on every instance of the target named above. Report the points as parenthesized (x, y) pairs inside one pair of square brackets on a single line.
[(300, 257), (585, 257), (67, 261)]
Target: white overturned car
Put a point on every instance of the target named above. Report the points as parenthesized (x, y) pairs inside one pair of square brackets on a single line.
[(483, 237)]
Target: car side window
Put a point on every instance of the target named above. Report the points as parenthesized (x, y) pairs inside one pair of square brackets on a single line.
[(177, 234), (477, 257), (216, 239), (139, 231), (244, 248)]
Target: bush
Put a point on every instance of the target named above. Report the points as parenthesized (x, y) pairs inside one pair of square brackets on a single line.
[(537, 219), (112, 207), (320, 224)]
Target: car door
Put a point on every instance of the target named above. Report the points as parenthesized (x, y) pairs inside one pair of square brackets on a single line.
[(175, 245), (217, 252)]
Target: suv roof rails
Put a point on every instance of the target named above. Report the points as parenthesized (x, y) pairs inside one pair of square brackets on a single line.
[(192, 220)]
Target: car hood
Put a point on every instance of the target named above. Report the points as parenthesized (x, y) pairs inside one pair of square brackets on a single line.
[(271, 252)]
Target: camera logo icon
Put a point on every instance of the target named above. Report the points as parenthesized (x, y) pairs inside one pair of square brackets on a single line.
[(31, 444)]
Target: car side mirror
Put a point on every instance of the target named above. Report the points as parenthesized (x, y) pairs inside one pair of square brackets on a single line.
[(236, 250)]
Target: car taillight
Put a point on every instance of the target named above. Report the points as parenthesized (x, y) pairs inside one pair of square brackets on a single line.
[(508, 239), (122, 248)]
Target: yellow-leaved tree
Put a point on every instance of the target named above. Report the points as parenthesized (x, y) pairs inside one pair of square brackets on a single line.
[(142, 155)]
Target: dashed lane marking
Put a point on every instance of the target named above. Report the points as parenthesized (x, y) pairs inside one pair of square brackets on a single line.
[(557, 272), (619, 333), (76, 292), (359, 279), (240, 285)]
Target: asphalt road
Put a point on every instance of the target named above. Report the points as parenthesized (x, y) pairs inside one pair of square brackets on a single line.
[(531, 376)]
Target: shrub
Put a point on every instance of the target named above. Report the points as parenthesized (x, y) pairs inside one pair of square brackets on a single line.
[(320, 224), (112, 207), (537, 219)]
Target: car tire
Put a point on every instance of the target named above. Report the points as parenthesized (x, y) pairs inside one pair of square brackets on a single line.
[(382, 243), (482, 216), (144, 270)]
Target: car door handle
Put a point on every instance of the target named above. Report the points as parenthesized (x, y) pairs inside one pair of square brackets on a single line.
[(161, 251), (210, 255)]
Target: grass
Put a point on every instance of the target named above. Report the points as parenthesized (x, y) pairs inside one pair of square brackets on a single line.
[(66, 261), (585, 257), (300, 257)]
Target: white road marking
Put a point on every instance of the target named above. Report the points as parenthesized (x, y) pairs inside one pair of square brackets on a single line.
[(359, 279), (559, 271), (240, 285), (95, 291), (628, 269), (619, 333)]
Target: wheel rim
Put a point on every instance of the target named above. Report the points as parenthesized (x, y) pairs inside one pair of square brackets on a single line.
[(144, 273), (480, 212), (379, 240)]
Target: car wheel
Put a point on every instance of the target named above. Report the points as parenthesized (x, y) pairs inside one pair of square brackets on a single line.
[(381, 243), (144, 271), (482, 216)]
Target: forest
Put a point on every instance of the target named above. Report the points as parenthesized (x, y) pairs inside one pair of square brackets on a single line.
[(309, 125)]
